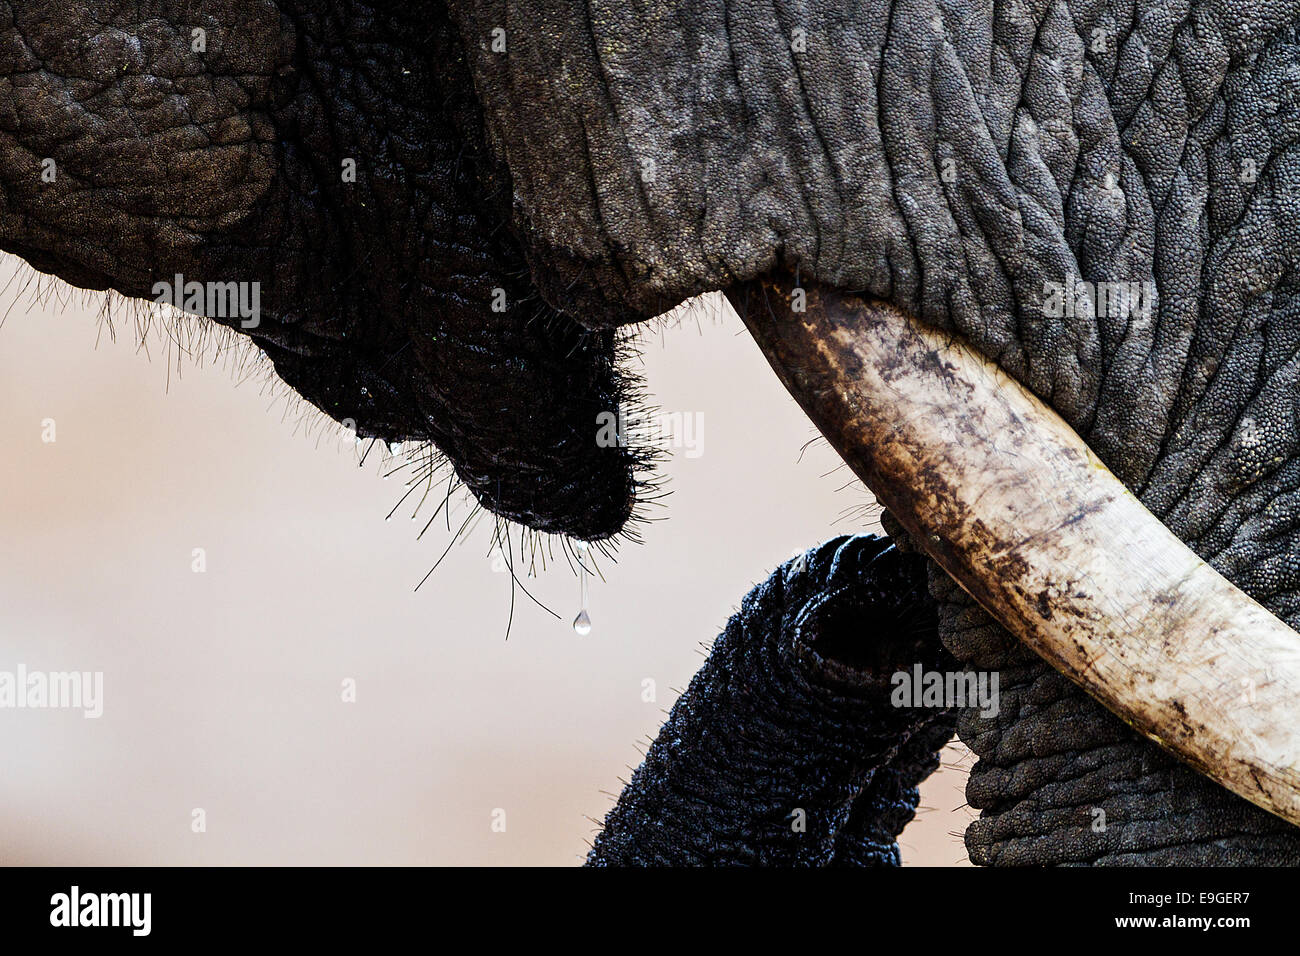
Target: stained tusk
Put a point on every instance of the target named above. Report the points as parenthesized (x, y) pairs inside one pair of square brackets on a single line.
[(1008, 499)]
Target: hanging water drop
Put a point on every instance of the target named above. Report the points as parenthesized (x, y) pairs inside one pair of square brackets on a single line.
[(582, 623)]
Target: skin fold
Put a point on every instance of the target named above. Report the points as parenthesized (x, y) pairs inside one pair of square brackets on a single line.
[(598, 163)]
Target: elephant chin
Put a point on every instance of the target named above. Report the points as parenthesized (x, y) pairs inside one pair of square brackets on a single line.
[(1011, 502)]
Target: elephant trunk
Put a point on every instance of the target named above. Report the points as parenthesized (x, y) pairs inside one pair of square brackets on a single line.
[(792, 746)]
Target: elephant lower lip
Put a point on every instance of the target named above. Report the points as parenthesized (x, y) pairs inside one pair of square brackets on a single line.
[(1015, 507)]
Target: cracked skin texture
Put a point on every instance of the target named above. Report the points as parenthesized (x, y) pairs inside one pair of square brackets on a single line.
[(950, 158), (1122, 142)]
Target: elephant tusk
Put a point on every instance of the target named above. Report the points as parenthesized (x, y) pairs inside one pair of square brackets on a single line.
[(1012, 503)]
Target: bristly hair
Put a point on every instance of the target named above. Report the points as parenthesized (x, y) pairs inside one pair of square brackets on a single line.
[(536, 550), (184, 339), (528, 552)]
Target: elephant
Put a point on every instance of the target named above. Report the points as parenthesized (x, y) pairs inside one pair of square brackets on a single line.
[(1027, 264)]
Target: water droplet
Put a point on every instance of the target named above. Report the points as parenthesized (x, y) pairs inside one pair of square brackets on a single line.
[(582, 623)]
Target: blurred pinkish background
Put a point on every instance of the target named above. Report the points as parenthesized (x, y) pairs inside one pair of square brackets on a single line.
[(223, 689)]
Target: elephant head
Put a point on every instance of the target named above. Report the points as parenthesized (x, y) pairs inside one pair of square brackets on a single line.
[(1029, 265)]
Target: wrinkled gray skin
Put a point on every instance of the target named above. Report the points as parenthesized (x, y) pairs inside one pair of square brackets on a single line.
[(1104, 141), (951, 158)]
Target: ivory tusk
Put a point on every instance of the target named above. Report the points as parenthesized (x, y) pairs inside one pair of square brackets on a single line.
[(1011, 502)]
